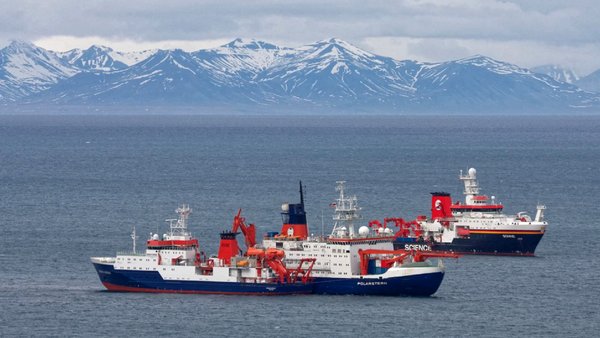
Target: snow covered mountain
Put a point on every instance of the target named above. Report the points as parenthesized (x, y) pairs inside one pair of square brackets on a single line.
[(241, 59), (557, 72), (479, 82), (334, 72), (95, 58), (590, 82), (102, 58), (167, 77), (331, 75), (26, 69)]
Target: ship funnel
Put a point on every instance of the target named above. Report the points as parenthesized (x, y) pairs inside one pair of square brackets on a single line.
[(440, 205), (294, 219), (228, 247)]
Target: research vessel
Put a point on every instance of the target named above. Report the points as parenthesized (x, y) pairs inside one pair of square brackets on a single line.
[(476, 226), (173, 263), (361, 262)]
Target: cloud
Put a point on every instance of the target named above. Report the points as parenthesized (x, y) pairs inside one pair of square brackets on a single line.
[(459, 25), (583, 58), (156, 20), (63, 43)]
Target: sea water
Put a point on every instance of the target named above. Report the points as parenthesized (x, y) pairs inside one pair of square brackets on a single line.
[(72, 187)]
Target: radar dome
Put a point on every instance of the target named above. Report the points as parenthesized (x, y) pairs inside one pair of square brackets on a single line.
[(285, 207), (155, 237), (363, 230), (472, 172)]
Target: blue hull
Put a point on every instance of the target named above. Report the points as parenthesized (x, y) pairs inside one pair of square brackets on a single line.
[(478, 244), (417, 285), (151, 281)]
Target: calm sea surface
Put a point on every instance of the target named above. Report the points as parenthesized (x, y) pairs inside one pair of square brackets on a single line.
[(72, 187)]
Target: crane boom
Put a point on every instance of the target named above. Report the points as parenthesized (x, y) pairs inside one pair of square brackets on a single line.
[(249, 231)]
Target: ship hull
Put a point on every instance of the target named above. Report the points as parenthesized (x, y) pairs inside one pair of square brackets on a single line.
[(479, 244), (152, 281), (415, 285)]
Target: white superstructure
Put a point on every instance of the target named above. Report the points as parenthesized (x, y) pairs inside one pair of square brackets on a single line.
[(175, 256)]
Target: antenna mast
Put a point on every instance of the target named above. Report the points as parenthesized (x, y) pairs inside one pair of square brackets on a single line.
[(346, 211), (133, 238)]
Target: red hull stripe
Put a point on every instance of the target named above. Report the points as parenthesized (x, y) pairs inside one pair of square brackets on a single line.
[(480, 198), (120, 288), (366, 239), (482, 207), (190, 242)]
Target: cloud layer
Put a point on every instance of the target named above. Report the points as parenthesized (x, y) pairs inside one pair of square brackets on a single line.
[(428, 30)]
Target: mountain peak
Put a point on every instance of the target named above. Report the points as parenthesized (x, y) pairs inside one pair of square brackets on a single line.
[(557, 72), (491, 64), (475, 58), (167, 56), (100, 48), (336, 41), (17, 45), (335, 48), (250, 44)]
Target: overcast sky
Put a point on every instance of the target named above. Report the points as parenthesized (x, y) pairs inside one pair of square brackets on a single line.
[(525, 32)]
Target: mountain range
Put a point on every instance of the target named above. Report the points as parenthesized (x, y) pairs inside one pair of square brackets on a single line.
[(256, 76)]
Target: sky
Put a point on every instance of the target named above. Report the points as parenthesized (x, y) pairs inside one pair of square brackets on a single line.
[(524, 32)]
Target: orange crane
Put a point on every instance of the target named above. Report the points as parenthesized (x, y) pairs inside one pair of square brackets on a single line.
[(273, 259), (398, 256), (405, 227), (249, 231), (300, 272)]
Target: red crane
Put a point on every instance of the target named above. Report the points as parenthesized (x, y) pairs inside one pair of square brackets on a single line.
[(273, 258), (405, 227), (249, 231), (398, 256)]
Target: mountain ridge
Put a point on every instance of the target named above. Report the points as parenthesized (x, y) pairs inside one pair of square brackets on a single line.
[(244, 74)]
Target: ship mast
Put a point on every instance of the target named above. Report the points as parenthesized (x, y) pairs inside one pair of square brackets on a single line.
[(471, 185), (133, 238), (346, 211), (179, 226)]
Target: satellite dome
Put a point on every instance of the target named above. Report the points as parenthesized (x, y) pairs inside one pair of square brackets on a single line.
[(363, 230), (472, 172)]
